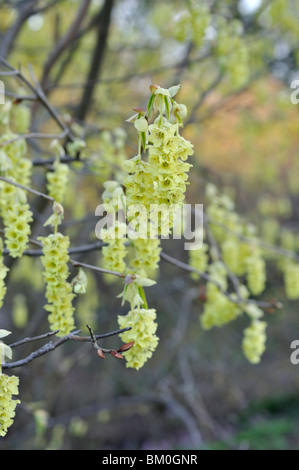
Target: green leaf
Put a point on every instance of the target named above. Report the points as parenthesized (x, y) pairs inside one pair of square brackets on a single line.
[(4, 333), (145, 282), (142, 295), (143, 139), (173, 90), (5, 351), (166, 103), (150, 105)]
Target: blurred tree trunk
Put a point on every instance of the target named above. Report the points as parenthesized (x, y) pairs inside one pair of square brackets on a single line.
[(97, 59)]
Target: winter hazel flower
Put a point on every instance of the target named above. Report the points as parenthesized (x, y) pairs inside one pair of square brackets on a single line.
[(256, 273), (17, 231), (146, 256), (254, 341), (291, 279), (142, 322), (8, 388), (3, 273), (115, 252), (59, 292), (57, 181)]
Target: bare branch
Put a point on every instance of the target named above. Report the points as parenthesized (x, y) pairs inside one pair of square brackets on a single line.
[(29, 190), (46, 348), (207, 277), (64, 42)]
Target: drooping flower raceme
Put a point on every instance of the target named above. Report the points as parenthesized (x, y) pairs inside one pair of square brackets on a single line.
[(155, 184), (140, 319), (168, 152), (8, 388), (254, 341), (142, 322), (14, 210), (57, 181), (59, 292), (291, 279), (115, 236), (157, 181), (146, 257), (17, 230), (256, 273), (3, 273)]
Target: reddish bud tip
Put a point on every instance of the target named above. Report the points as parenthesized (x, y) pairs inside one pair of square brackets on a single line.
[(127, 346), (139, 110), (100, 353), (116, 354)]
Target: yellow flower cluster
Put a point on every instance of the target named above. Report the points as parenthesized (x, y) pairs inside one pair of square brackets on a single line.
[(256, 273), (142, 322), (254, 341), (17, 228), (57, 182), (168, 151), (23, 171), (157, 182), (8, 388), (199, 260), (235, 255), (162, 179), (20, 118), (14, 150), (115, 252), (218, 309), (146, 257), (3, 273), (115, 236), (192, 23), (58, 290), (291, 279), (14, 209), (221, 215), (232, 51), (239, 256), (13, 161)]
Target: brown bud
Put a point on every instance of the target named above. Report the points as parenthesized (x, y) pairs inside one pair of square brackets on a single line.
[(116, 354), (100, 353), (127, 346), (202, 294), (154, 87)]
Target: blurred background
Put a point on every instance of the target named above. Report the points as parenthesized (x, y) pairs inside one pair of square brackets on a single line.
[(95, 61)]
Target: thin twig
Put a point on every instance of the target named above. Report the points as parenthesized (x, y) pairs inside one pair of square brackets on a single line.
[(34, 338), (78, 264), (40, 95), (207, 277), (34, 135), (30, 190)]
